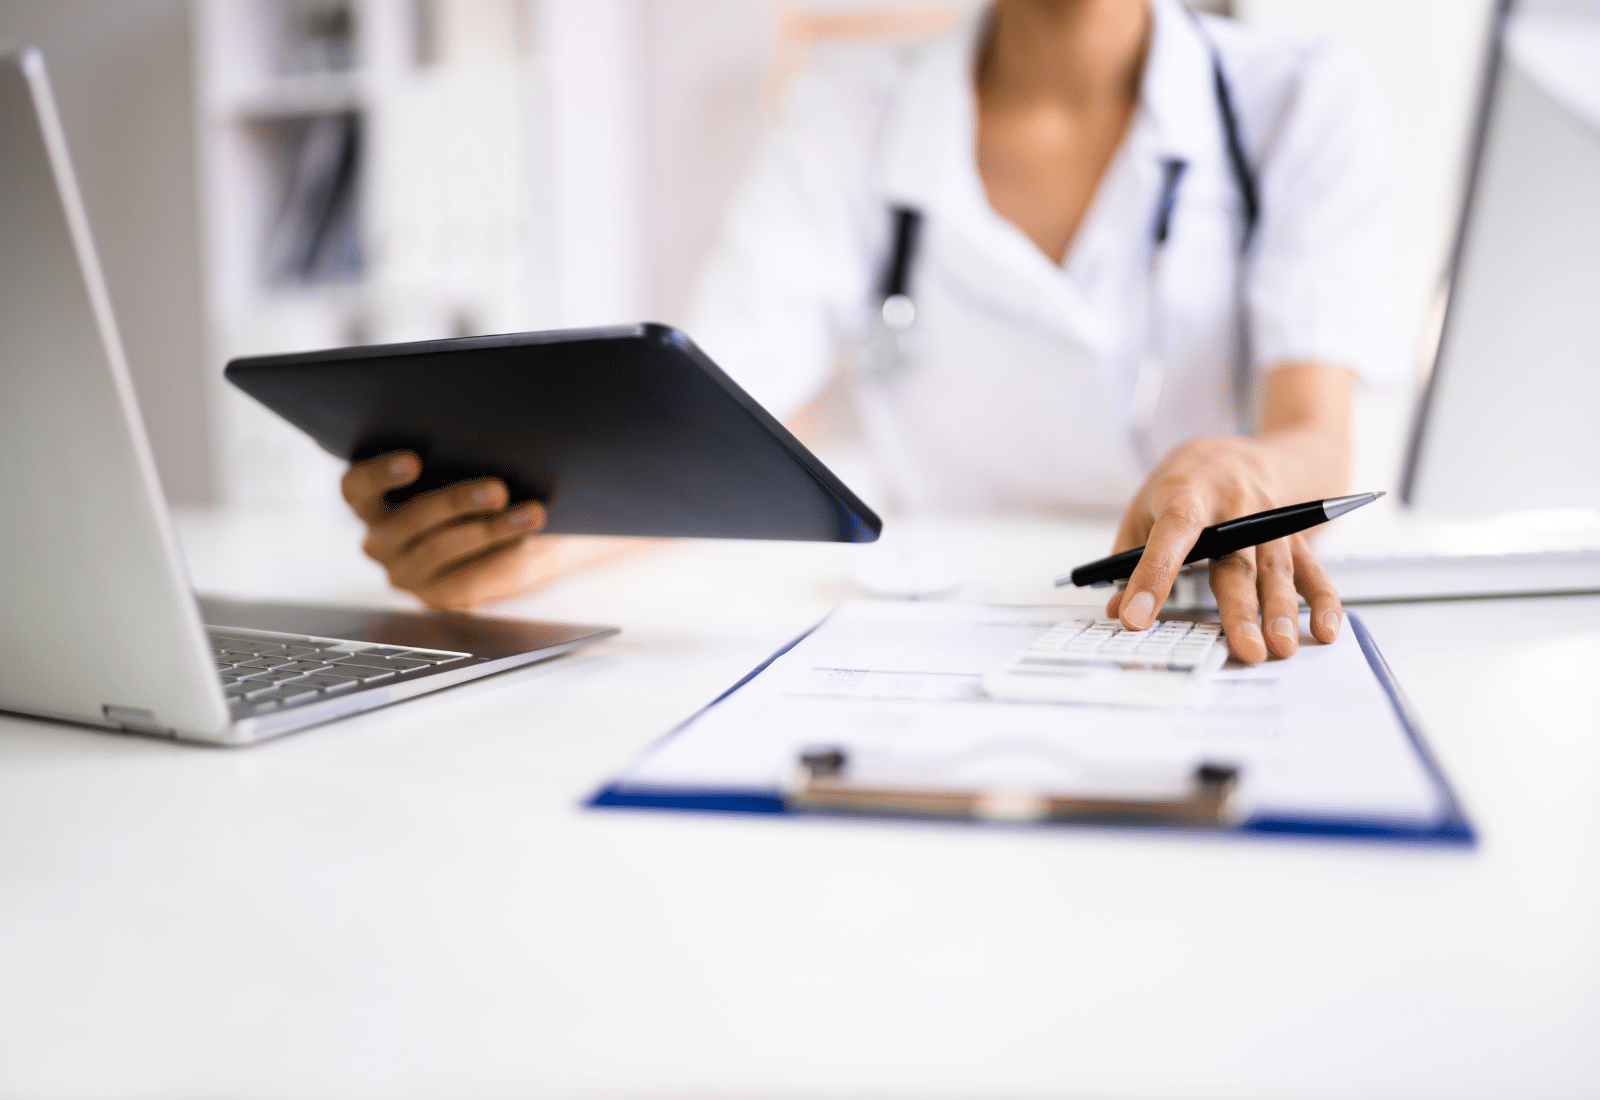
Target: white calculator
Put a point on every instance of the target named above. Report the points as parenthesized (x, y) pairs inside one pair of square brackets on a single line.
[(1097, 661)]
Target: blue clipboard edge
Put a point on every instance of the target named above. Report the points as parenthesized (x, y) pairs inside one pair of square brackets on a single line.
[(1452, 828)]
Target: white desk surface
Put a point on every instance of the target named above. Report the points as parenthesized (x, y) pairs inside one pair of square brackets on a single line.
[(412, 903)]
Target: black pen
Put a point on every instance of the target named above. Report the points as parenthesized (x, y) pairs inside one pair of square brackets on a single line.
[(1224, 538)]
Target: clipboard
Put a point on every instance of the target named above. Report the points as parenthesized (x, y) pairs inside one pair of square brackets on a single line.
[(817, 781)]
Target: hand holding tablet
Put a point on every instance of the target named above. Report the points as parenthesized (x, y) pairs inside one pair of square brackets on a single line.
[(464, 451)]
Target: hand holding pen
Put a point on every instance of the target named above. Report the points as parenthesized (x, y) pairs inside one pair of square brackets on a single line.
[(1257, 583)]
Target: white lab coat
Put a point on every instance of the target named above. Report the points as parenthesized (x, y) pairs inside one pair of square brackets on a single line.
[(1022, 395)]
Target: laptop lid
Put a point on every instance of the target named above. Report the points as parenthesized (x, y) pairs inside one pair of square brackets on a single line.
[(97, 622)]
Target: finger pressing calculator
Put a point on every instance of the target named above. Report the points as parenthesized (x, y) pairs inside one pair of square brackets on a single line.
[(1097, 661)]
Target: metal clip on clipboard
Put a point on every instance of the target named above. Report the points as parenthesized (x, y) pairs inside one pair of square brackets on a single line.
[(820, 782)]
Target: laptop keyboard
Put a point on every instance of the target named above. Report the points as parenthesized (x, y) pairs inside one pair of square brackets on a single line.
[(262, 672)]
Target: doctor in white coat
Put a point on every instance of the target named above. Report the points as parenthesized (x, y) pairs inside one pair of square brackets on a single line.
[(1141, 255)]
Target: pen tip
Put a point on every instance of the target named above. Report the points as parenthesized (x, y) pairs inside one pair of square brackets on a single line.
[(1338, 506)]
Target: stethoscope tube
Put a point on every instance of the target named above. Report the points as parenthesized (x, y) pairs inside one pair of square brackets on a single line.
[(1151, 375), (907, 228), (1172, 170)]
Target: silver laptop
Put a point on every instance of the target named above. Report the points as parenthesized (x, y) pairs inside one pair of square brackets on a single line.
[(97, 621)]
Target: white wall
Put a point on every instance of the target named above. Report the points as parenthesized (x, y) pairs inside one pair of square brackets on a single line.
[(589, 53), (123, 78), (701, 117)]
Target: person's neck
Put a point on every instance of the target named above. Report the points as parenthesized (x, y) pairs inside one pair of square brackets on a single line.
[(1082, 54)]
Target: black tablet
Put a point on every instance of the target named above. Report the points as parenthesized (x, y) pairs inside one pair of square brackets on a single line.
[(619, 431)]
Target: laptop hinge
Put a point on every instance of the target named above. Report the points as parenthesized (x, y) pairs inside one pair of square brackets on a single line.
[(134, 720)]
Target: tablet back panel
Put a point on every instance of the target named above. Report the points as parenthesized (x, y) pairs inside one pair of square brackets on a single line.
[(620, 431)]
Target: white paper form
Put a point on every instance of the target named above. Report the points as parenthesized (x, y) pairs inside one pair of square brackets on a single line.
[(1314, 737)]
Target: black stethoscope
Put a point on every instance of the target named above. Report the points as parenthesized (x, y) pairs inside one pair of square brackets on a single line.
[(893, 341)]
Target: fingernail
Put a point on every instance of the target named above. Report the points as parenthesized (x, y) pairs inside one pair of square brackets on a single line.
[(1139, 609), (522, 517), (1249, 632), (482, 495), (1283, 628), (400, 466), (1330, 623)]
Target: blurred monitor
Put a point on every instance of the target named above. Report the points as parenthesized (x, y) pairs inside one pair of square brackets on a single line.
[(1510, 419)]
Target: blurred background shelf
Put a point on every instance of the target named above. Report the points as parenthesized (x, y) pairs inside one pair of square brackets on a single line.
[(368, 175)]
